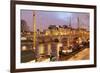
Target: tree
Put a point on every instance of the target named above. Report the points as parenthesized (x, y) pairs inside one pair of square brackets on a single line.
[(24, 26)]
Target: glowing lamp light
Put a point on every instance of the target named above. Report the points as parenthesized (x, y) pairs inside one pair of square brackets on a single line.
[(24, 48)]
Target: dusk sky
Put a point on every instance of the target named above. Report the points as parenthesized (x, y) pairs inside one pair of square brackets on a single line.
[(46, 18)]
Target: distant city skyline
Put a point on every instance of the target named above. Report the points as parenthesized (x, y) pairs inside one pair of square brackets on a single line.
[(46, 18)]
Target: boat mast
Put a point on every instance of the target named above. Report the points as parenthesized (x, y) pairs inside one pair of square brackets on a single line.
[(34, 30), (69, 32), (78, 20)]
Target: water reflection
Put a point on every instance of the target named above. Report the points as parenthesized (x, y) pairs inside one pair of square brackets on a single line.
[(49, 48)]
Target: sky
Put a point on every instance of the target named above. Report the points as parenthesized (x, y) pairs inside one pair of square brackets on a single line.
[(46, 18)]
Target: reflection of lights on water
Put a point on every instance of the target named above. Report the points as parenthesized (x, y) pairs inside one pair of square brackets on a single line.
[(41, 48)]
